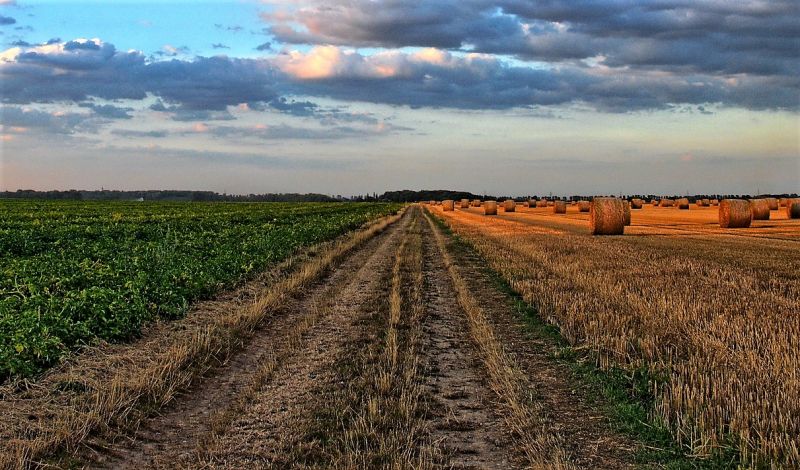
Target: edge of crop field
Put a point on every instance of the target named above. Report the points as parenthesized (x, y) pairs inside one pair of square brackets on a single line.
[(180, 365), (624, 396)]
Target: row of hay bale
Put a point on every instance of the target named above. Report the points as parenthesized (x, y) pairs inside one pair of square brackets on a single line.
[(739, 213), (610, 215)]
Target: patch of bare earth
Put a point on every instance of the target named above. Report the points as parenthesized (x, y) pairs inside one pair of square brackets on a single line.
[(465, 421)]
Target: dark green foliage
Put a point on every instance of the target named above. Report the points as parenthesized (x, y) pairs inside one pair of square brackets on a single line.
[(73, 272)]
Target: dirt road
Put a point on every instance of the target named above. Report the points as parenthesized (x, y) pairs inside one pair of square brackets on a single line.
[(401, 355)]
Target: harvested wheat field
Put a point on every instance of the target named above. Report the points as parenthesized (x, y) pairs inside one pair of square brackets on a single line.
[(710, 315)]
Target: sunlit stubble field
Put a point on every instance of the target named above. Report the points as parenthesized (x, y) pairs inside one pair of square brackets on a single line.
[(715, 311)]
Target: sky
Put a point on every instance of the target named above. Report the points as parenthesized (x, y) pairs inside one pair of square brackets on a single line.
[(514, 97)]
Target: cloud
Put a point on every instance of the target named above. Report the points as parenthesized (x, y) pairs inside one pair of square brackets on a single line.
[(705, 36), (169, 50), (6, 20), (202, 88), (220, 46), (267, 46), (108, 111), (48, 122), (78, 70), (438, 78), (139, 134)]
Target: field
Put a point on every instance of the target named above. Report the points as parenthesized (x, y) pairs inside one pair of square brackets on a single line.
[(71, 273), (347, 336), (715, 311)]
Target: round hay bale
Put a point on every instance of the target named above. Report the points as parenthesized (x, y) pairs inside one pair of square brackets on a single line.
[(464, 204), (607, 216), (448, 205), (760, 209), (559, 207), (542, 203), (584, 206), (490, 208), (699, 203), (706, 202), (734, 213), (573, 203), (654, 202), (627, 212), (476, 203), (682, 203), (509, 205), (636, 203), (714, 202), (549, 203), (665, 203), (793, 208), (773, 203), (531, 202)]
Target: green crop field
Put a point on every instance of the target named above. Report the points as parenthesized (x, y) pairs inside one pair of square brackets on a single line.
[(75, 272)]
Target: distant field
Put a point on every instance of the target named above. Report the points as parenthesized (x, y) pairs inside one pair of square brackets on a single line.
[(71, 272), (714, 311)]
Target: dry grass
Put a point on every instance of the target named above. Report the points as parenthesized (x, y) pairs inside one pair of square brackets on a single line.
[(542, 446), (378, 420), (725, 331), (116, 387)]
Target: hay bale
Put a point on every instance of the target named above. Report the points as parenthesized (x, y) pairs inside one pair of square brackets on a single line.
[(706, 202), (559, 207), (464, 204), (627, 212), (448, 205), (490, 208), (700, 203), (682, 203), (636, 203), (607, 216), (714, 202), (531, 202), (773, 203), (793, 208), (542, 203), (584, 206), (665, 203), (760, 209), (734, 213), (509, 205), (476, 203), (654, 202)]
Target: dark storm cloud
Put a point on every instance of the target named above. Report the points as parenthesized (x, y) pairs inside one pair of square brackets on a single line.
[(6, 20)]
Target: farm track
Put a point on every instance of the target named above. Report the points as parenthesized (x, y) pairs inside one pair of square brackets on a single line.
[(403, 355)]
